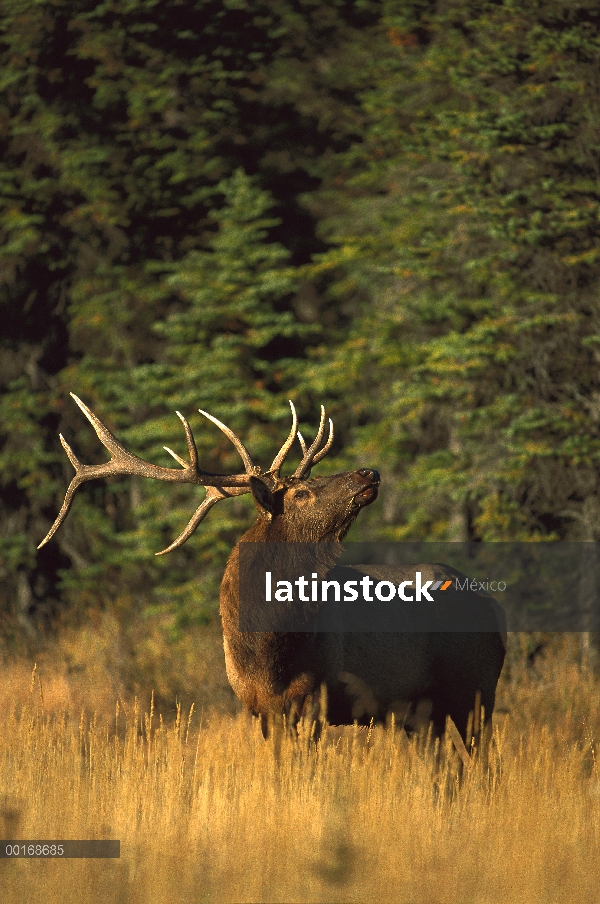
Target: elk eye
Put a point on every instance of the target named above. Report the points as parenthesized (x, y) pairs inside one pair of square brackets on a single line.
[(301, 494)]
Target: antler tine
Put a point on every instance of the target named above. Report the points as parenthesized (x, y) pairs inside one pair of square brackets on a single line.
[(191, 444), (177, 457), (323, 452), (281, 455), (302, 443), (309, 455), (104, 435), (213, 495), (249, 465), (75, 482), (192, 451)]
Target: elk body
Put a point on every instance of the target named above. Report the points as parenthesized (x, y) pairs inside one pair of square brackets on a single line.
[(416, 675)]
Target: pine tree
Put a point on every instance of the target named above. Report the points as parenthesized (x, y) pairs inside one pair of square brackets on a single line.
[(120, 122), (468, 256)]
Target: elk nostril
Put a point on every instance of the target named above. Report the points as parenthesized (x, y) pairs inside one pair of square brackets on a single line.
[(369, 474)]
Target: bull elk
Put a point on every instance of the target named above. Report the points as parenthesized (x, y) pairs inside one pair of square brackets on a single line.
[(417, 675)]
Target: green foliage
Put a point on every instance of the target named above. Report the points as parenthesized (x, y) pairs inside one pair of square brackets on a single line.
[(390, 208), (218, 339), (122, 126), (466, 226)]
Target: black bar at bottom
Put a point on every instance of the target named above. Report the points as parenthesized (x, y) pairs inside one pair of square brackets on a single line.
[(58, 850)]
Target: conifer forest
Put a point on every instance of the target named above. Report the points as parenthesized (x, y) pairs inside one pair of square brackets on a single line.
[(390, 208)]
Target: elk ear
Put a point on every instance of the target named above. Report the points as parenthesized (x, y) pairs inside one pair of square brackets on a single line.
[(263, 497)]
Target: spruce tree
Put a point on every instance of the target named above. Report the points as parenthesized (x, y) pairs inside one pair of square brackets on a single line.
[(468, 256)]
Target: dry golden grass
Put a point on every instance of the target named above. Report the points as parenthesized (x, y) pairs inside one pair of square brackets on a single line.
[(208, 811), (90, 666)]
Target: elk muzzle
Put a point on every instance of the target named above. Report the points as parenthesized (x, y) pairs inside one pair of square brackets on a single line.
[(370, 481)]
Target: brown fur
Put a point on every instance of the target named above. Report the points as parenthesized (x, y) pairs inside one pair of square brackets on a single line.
[(415, 676)]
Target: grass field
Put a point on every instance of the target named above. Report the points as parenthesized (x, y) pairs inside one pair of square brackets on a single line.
[(208, 811)]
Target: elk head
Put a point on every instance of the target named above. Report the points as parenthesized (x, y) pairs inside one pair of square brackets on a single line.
[(290, 508), (315, 510)]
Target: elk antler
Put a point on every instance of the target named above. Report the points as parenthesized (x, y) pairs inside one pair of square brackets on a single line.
[(218, 486), (280, 457), (311, 456)]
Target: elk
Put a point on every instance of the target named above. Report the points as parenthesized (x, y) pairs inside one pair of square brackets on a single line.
[(419, 676)]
